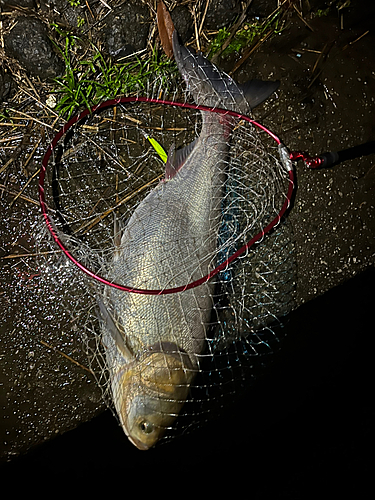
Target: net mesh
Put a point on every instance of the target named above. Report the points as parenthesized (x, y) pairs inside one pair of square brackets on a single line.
[(98, 176)]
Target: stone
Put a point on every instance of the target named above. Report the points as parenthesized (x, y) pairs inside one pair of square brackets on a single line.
[(6, 84), (183, 22), (26, 4), (222, 13), (60, 11), (28, 42), (126, 29)]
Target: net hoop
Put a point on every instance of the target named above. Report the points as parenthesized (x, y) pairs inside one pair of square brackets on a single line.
[(114, 102)]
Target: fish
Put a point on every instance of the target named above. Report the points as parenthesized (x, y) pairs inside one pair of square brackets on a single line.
[(154, 344)]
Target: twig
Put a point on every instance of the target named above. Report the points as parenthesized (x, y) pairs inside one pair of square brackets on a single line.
[(302, 19), (13, 138), (32, 153), (40, 102), (24, 187), (356, 40), (23, 255), (32, 86), (88, 6), (105, 4), (196, 28), (320, 59), (4, 167), (203, 17), (33, 118), (301, 49), (108, 154), (13, 193), (18, 149), (90, 224), (66, 356), (9, 124), (249, 51)]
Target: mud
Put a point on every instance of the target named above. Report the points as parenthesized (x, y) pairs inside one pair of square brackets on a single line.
[(325, 103)]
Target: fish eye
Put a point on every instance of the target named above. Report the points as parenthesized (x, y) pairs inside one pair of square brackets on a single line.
[(146, 427)]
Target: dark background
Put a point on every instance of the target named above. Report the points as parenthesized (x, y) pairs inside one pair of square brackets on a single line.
[(303, 430)]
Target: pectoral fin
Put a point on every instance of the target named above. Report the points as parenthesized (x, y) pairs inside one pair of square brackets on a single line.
[(113, 328)]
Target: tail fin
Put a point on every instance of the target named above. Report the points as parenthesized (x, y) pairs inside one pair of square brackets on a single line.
[(211, 87)]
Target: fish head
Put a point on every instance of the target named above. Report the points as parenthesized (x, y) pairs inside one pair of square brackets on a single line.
[(150, 396)]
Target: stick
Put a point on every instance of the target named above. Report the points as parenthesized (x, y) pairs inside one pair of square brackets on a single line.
[(247, 54), (203, 17), (66, 356), (33, 118), (23, 255), (23, 197), (112, 209), (354, 41)]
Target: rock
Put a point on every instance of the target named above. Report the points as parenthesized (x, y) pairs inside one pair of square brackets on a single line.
[(126, 29), (62, 12), (26, 4), (262, 8), (28, 42), (222, 13), (183, 22)]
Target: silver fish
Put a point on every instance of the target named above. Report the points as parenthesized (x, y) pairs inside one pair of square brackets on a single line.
[(154, 342)]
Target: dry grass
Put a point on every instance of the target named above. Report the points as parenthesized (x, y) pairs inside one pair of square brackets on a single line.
[(28, 121)]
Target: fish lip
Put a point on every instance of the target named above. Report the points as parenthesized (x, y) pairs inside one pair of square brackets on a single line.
[(138, 443)]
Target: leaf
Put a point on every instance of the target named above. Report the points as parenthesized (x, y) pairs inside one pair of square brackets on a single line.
[(165, 28)]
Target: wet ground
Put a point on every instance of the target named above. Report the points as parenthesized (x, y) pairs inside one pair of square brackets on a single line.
[(308, 422), (333, 215)]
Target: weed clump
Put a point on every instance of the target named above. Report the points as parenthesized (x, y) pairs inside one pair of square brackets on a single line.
[(90, 81)]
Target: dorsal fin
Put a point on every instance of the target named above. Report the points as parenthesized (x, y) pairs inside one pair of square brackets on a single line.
[(176, 159)]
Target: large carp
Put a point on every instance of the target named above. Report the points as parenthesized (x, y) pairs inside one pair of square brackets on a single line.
[(154, 342)]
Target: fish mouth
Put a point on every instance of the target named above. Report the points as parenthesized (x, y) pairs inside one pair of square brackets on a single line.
[(138, 443)]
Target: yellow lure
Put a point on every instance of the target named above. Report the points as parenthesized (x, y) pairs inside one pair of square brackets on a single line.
[(159, 149)]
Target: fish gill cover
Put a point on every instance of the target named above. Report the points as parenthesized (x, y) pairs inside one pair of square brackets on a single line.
[(166, 363)]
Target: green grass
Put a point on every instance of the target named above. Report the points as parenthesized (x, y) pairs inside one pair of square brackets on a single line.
[(90, 81), (97, 78), (246, 36), (322, 12)]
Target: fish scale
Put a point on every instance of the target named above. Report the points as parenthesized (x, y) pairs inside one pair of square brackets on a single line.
[(154, 342)]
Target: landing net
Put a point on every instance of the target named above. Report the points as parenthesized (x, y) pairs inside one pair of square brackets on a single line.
[(97, 172)]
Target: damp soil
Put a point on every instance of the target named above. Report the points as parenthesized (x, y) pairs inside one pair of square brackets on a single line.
[(316, 421)]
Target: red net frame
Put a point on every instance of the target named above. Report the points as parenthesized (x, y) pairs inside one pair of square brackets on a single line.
[(203, 279)]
